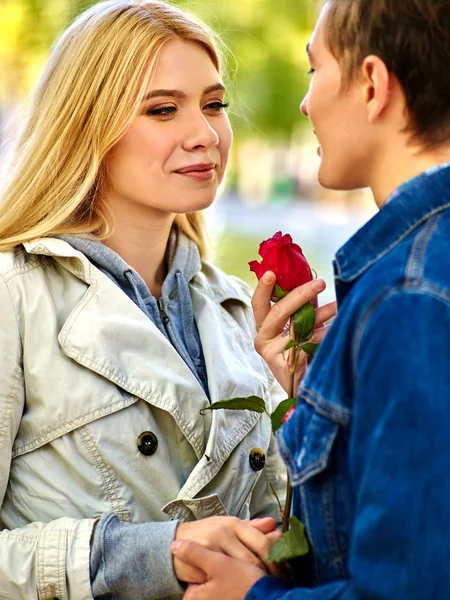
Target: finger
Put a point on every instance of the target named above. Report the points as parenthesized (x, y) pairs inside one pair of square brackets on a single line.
[(261, 298), (284, 308), (195, 592), (187, 573), (254, 542), (265, 525), (319, 334), (325, 313), (273, 536), (194, 555)]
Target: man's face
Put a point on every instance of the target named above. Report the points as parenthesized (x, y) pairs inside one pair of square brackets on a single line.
[(338, 117)]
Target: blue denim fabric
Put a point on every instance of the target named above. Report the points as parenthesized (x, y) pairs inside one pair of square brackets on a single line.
[(133, 561), (368, 446)]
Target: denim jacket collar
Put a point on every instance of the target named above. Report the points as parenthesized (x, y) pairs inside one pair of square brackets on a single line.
[(408, 206)]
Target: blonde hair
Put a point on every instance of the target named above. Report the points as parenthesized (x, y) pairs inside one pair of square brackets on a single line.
[(88, 96)]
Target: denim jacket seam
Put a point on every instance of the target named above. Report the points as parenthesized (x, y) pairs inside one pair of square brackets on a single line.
[(414, 265), (411, 286), (329, 411), (311, 467), (395, 243)]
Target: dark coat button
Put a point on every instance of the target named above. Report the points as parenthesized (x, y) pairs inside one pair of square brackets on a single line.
[(257, 459), (147, 443)]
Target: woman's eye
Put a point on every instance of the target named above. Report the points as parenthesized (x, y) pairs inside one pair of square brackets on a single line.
[(162, 111), (311, 71), (217, 106)]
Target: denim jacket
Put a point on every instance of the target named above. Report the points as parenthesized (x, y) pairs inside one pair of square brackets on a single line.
[(368, 446)]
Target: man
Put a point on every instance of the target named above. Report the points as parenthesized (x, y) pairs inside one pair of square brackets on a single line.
[(368, 446)]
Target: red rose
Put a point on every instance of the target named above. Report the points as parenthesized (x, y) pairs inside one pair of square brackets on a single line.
[(284, 258)]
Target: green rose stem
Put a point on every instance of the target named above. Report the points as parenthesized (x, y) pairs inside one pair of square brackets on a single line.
[(291, 364)]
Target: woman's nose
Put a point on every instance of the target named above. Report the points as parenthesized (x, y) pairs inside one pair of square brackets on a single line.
[(200, 134)]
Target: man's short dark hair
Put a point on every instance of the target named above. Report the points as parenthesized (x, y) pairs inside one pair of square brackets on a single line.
[(412, 38)]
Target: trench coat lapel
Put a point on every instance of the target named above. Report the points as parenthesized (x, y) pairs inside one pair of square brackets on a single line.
[(108, 334), (234, 370)]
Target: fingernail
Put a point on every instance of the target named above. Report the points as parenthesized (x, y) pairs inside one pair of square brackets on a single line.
[(318, 284), (175, 545)]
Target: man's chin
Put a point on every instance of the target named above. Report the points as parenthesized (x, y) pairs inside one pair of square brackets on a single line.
[(335, 181)]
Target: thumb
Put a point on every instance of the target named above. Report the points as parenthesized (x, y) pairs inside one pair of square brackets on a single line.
[(193, 554)]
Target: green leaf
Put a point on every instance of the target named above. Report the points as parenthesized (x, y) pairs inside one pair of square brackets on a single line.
[(290, 344), (304, 319), (292, 544), (278, 293), (310, 348), (277, 416), (252, 403)]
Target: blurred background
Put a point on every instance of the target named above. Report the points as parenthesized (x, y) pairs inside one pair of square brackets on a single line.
[(271, 182)]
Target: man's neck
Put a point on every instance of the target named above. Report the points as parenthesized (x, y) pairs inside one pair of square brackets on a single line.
[(402, 164)]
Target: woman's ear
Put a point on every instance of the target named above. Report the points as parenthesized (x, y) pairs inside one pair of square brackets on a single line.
[(375, 82)]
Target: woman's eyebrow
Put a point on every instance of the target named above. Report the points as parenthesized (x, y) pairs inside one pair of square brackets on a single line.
[(213, 88), (179, 94)]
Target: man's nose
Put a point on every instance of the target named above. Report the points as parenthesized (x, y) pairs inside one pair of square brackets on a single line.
[(304, 106)]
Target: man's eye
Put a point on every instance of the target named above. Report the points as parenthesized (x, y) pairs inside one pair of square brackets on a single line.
[(162, 111), (217, 106)]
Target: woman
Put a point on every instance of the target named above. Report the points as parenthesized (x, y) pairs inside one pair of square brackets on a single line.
[(114, 332)]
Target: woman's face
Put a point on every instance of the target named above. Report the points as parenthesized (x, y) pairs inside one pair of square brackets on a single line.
[(173, 157)]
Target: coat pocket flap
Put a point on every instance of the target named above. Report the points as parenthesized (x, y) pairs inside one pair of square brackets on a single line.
[(38, 428), (306, 441)]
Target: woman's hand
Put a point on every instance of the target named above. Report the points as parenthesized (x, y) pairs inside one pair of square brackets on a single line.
[(246, 541), (271, 324), (223, 577)]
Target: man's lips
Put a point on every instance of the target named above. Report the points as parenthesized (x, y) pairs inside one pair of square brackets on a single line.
[(201, 172)]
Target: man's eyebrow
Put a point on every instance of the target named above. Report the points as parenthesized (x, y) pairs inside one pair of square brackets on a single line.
[(308, 51), (179, 94)]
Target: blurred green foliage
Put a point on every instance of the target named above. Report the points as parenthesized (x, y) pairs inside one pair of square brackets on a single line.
[(267, 63)]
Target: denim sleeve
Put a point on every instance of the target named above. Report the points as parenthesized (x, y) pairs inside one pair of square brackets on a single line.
[(133, 561), (398, 458)]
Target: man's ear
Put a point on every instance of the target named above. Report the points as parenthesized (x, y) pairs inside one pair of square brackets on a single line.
[(375, 82)]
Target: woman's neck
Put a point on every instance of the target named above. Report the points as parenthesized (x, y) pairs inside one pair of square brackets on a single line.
[(143, 247)]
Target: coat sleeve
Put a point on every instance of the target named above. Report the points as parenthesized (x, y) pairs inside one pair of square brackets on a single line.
[(40, 560), (398, 458)]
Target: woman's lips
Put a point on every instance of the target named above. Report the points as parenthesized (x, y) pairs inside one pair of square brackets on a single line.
[(202, 172)]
